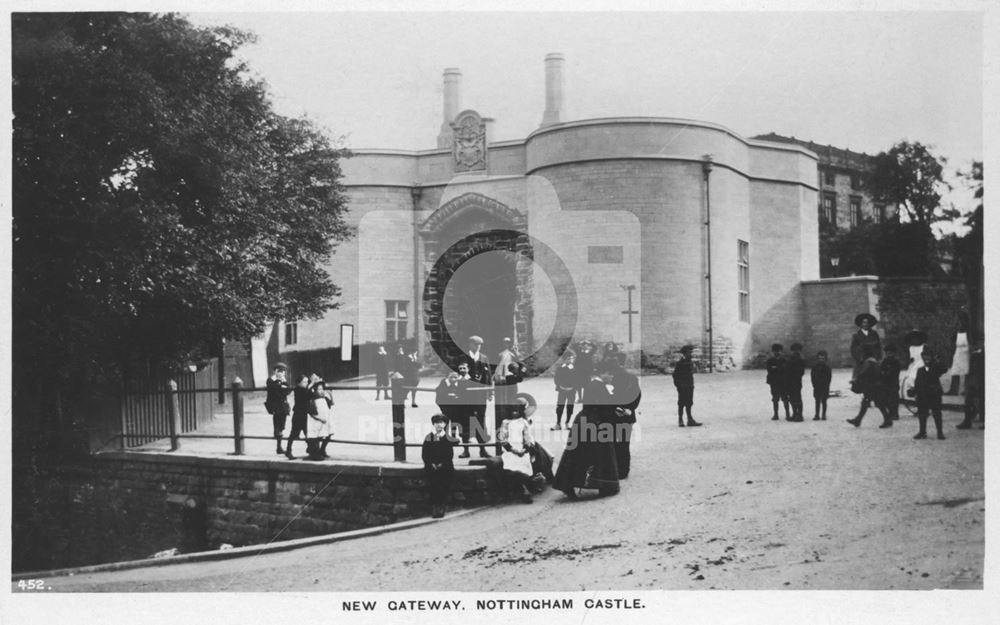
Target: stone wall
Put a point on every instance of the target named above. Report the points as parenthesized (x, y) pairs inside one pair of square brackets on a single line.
[(121, 506), (930, 305), (900, 304)]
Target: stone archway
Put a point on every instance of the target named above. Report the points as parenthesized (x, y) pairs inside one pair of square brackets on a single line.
[(478, 263)]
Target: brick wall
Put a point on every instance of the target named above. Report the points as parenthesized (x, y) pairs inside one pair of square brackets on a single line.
[(121, 506)]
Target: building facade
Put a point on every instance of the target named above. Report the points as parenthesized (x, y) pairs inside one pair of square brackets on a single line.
[(648, 232)]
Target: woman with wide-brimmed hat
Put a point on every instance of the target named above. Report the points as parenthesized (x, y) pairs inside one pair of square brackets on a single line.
[(866, 335)]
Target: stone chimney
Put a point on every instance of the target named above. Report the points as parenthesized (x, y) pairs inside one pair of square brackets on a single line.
[(553, 89), (452, 79)]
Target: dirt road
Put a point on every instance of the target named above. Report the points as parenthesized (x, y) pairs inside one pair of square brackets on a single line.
[(741, 503)]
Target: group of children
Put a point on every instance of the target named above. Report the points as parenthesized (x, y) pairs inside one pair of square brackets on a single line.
[(311, 412), (784, 376), (876, 380)]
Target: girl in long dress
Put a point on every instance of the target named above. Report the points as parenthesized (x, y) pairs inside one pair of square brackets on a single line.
[(516, 444), (588, 463), (318, 429)]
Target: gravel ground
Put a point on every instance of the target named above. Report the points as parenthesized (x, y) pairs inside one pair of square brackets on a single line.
[(741, 503)]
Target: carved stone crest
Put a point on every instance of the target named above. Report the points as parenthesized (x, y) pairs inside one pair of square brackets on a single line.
[(469, 147)]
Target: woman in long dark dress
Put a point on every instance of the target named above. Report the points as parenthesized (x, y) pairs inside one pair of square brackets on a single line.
[(439, 467), (589, 463)]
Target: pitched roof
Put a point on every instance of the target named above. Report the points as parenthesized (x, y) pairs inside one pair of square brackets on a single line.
[(828, 154)]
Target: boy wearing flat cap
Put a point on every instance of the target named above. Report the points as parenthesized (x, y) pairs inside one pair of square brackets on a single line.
[(478, 389), (437, 453), (777, 379), (276, 402), (684, 383), (927, 390)]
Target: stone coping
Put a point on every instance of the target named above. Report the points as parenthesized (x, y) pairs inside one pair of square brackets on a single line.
[(378, 469)]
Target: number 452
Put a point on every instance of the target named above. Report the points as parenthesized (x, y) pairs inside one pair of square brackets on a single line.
[(31, 584)]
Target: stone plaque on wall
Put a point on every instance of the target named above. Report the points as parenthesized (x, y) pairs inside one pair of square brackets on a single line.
[(469, 147)]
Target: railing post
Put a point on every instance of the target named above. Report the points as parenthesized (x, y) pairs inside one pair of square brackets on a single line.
[(175, 415), (399, 393), (238, 416), (122, 405)]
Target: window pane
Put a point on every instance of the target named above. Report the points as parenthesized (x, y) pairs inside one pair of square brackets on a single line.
[(390, 331), (401, 330), (390, 309)]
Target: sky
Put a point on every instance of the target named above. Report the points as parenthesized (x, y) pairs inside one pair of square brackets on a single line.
[(858, 80)]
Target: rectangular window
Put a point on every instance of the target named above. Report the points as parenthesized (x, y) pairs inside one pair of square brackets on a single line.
[(743, 273), (855, 212), (613, 254), (291, 332), (829, 212), (878, 213), (855, 181), (395, 320), (830, 178)]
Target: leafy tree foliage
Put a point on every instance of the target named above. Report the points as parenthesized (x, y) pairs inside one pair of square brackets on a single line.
[(910, 176), (159, 203), (885, 249), (969, 249)]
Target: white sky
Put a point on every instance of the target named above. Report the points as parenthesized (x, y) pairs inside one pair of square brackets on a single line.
[(853, 79)]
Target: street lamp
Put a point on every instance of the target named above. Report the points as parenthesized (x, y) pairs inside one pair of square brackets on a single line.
[(834, 261)]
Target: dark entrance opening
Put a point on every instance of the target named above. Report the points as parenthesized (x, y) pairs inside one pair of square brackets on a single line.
[(480, 299)]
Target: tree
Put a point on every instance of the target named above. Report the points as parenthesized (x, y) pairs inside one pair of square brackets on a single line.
[(159, 202), (910, 176), (969, 249), (885, 249)]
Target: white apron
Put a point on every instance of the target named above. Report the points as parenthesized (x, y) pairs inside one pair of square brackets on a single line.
[(316, 428), (517, 433)]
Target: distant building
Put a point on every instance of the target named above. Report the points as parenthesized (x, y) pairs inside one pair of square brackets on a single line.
[(841, 176)]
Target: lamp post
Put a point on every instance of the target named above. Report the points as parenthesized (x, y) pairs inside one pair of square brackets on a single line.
[(834, 261)]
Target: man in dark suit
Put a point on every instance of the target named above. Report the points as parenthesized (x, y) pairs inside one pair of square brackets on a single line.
[(626, 397), (276, 402), (478, 390)]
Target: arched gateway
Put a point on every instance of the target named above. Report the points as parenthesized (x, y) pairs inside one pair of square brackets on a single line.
[(478, 263)]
